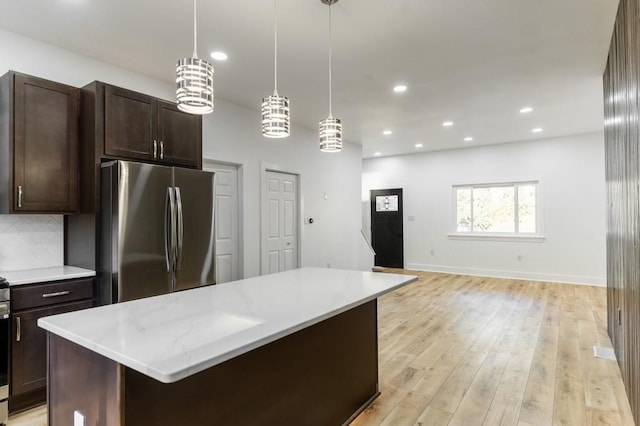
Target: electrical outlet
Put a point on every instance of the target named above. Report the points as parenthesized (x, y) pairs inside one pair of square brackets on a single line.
[(519, 258), (328, 265), (78, 419), (433, 252)]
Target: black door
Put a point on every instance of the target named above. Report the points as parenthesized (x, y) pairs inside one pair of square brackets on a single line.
[(386, 227)]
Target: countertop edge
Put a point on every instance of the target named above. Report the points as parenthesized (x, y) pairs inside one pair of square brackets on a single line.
[(173, 377), (43, 275)]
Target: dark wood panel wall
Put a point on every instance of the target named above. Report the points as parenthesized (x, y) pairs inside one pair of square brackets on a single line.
[(622, 140)]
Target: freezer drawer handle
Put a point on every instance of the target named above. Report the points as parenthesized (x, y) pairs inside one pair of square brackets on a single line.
[(56, 294)]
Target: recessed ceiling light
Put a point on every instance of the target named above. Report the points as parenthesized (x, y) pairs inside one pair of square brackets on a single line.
[(447, 124), (219, 56), (526, 110), (387, 132), (537, 130), (419, 145), (377, 154), (468, 139), (400, 88)]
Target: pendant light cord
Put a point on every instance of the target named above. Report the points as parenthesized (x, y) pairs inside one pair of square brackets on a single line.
[(330, 55), (195, 31), (275, 42)]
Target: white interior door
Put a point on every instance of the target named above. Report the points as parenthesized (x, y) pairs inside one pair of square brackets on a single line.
[(226, 222), (280, 222)]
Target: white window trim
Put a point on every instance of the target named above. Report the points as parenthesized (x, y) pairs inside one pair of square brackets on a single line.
[(529, 238), (499, 236)]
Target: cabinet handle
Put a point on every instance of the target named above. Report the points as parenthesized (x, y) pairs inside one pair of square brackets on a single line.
[(161, 150), (18, 329), (56, 294), (155, 149), (19, 196)]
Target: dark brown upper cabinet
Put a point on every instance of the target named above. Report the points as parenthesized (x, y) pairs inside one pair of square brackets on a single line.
[(129, 124), (120, 124), (179, 136), (141, 127), (38, 145)]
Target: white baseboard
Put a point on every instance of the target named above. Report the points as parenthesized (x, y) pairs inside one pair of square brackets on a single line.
[(497, 273)]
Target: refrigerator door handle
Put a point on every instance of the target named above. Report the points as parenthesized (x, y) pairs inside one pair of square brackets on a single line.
[(179, 226), (169, 230)]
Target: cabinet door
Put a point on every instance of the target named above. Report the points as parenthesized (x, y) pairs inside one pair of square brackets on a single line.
[(45, 173), (179, 136), (29, 346), (129, 123)]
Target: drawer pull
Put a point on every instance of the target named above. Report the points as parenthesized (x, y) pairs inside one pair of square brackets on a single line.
[(56, 294)]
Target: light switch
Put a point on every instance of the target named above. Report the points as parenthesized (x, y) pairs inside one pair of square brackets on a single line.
[(78, 419)]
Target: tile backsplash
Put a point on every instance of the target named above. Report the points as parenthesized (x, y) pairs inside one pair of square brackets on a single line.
[(31, 241)]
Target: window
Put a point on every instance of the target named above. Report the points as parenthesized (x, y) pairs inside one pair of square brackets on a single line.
[(497, 209), (387, 203)]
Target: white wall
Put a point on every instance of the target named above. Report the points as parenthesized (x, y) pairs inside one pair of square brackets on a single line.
[(232, 134), (572, 188)]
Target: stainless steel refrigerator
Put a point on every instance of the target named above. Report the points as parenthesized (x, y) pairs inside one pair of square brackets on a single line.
[(157, 230)]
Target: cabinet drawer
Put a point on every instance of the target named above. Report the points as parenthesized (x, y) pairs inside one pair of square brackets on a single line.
[(33, 296)]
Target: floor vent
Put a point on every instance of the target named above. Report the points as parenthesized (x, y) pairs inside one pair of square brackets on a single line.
[(602, 352)]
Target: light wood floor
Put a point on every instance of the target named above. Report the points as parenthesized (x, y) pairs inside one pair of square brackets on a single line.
[(457, 350)]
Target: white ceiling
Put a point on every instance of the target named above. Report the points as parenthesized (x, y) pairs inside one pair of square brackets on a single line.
[(472, 62)]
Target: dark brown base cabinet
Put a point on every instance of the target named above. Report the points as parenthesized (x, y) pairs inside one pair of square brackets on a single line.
[(28, 370), (38, 145)]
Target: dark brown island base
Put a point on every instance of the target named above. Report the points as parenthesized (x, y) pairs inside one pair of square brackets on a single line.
[(325, 373)]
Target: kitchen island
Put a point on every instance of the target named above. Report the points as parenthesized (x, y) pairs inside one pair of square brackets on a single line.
[(298, 347)]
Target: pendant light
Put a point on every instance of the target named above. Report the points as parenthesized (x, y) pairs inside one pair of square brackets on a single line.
[(330, 127), (194, 78), (275, 108)]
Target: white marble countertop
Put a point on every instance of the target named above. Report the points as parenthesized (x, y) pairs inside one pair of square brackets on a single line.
[(176, 335), (40, 275)]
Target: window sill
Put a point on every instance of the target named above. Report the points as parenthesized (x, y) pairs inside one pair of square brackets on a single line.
[(498, 237)]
